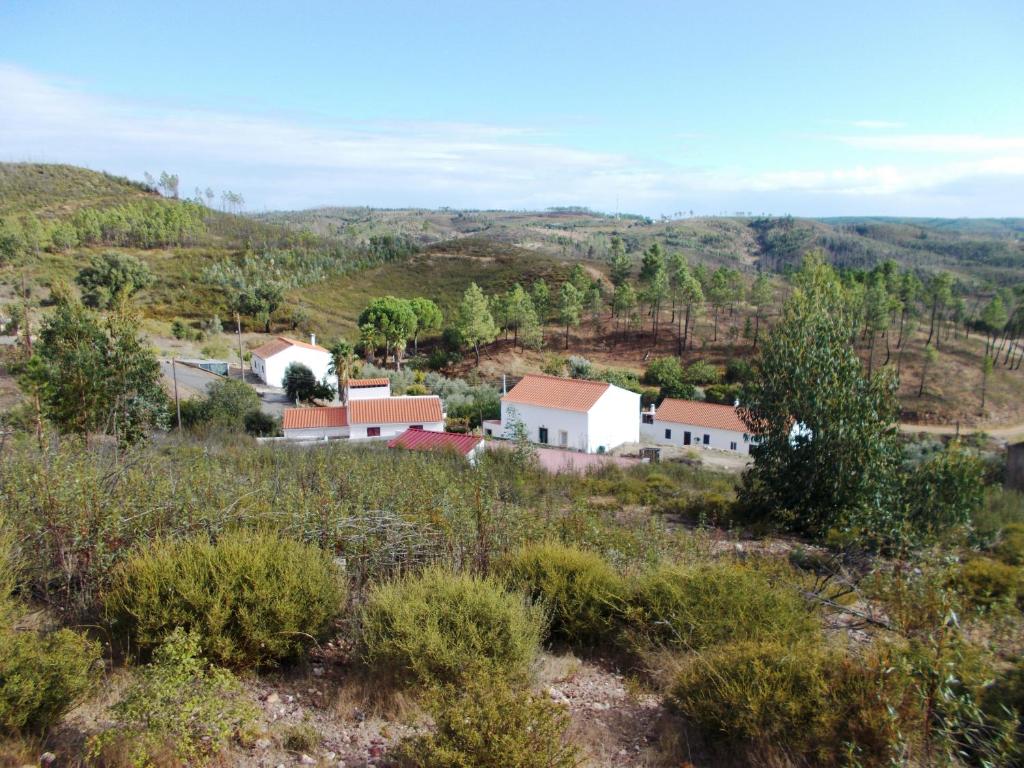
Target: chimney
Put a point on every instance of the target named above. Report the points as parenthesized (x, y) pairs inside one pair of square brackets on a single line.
[(312, 339)]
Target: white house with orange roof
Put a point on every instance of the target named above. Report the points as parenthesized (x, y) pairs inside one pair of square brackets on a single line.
[(578, 414), (365, 419), (270, 360), (698, 424)]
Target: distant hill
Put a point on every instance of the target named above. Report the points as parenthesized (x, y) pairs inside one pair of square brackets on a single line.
[(45, 189)]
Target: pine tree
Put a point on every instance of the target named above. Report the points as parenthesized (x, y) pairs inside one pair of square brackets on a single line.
[(473, 321)]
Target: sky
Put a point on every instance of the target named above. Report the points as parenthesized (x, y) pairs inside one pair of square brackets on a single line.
[(899, 108)]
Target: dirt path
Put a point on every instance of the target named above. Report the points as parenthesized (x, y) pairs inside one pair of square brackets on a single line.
[(1012, 433)]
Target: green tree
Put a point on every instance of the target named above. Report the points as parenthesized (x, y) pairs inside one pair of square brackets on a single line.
[(394, 321), (623, 303), (667, 373), (940, 293), (518, 308), (300, 385), (111, 276), (570, 304), (876, 315), (652, 261), (994, 318), (931, 357), (621, 266), (578, 278), (986, 374), (541, 295), (826, 451), (691, 295), (428, 319), (654, 295), (473, 321), (719, 293)]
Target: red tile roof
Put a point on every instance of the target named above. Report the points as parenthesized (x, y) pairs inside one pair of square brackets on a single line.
[(280, 344), (422, 440), (555, 392), (313, 418), (359, 383), (422, 409), (700, 414)]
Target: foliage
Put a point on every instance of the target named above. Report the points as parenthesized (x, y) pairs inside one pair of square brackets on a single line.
[(838, 468), (702, 373), (1010, 548), (180, 707), (581, 591), (489, 724), (111, 277), (1002, 507), (944, 492), (42, 676), (94, 374), (723, 394), (668, 374), (254, 599), (444, 627), (301, 386), (579, 367), (473, 320), (985, 581), (227, 405), (392, 322), (697, 606)]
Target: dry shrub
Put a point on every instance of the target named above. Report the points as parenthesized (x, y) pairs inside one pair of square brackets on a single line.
[(442, 627), (254, 598), (581, 591)]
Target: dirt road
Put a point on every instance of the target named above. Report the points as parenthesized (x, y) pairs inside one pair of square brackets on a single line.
[(1012, 433)]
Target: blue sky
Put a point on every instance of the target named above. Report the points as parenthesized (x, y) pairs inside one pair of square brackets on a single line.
[(887, 108)]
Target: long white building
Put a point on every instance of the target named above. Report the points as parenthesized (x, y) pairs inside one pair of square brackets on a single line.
[(581, 415), (695, 423), (365, 419)]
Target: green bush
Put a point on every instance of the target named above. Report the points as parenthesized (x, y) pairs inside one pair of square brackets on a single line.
[(581, 591), (702, 374), (440, 627), (42, 677), (1010, 548), (488, 724), (985, 581), (254, 598), (179, 711), (800, 700), (697, 606)]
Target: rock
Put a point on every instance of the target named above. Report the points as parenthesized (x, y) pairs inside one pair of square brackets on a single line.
[(342, 764), (307, 760), (330, 755), (318, 671), (272, 698), (263, 743), (47, 759)]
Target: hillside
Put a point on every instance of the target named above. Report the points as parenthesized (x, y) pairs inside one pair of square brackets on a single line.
[(52, 190)]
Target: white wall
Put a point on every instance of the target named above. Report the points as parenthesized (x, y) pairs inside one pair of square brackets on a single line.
[(358, 431), (315, 433), (271, 370), (719, 439), (369, 393), (614, 419), (573, 423)]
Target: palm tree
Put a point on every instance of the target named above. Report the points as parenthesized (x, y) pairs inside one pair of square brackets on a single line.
[(342, 355)]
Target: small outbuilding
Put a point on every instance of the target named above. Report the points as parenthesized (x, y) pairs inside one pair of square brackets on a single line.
[(695, 423), (270, 360), (368, 389), (578, 414), (469, 446)]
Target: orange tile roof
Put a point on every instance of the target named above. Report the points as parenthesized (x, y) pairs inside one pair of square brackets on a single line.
[(420, 409), (280, 344), (700, 414), (358, 383), (422, 440), (313, 418), (555, 392)]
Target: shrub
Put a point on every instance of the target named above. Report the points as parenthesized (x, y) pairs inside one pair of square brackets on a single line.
[(178, 708), (254, 598), (260, 424), (489, 724), (724, 394), (791, 698), (696, 606), (581, 591), (42, 677), (985, 581), (738, 371), (668, 374), (1002, 507), (702, 373), (1010, 548), (440, 627)]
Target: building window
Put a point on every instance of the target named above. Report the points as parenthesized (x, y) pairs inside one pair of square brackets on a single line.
[(373, 431), (707, 439), (686, 438), (542, 435), (488, 432), (732, 446), (648, 418), (668, 434), (746, 438), (563, 438), (416, 426)]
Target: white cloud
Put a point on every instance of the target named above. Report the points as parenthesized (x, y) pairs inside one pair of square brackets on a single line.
[(290, 163)]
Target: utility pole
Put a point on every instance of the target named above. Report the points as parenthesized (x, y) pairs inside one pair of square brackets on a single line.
[(241, 360), (177, 403)]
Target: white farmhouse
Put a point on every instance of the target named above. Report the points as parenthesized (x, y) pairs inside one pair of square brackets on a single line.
[(270, 360), (696, 423), (362, 419), (588, 416)]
